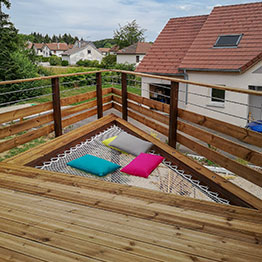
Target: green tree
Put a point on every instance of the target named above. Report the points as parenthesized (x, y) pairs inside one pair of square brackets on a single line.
[(129, 34)]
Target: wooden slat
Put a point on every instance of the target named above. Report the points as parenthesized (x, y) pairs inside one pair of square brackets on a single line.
[(27, 137), (135, 243), (82, 97), (215, 182), (246, 172), (137, 207), (159, 197), (61, 142), (179, 80), (28, 111), (38, 121), (226, 145), (97, 221), (242, 134)]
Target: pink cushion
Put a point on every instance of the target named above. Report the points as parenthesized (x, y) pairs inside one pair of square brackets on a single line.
[(142, 165)]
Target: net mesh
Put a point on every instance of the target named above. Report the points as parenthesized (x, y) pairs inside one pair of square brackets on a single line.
[(166, 177)]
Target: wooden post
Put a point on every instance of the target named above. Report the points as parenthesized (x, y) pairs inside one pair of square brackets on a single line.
[(99, 95), (124, 96), (173, 113), (56, 107)]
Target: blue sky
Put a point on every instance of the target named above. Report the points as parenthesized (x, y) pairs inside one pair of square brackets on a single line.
[(94, 20)]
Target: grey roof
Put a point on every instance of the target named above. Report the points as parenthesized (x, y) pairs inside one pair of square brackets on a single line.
[(83, 45)]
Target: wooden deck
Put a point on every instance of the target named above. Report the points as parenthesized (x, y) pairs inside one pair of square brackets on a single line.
[(55, 217), (47, 216)]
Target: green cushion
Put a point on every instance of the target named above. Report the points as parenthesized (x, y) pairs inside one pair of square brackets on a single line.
[(94, 165)]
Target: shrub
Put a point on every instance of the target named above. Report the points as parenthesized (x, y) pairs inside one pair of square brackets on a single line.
[(45, 59), (88, 63), (65, 63), (108, 61), (55, 60)]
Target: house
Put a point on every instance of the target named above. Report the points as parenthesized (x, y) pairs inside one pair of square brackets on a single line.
[(58, 48), (41, 49), (104, 51), (222, 48), (133, 54), (113, 50), (85, 51)]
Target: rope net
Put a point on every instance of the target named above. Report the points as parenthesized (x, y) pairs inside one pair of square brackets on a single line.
[(166, 177)]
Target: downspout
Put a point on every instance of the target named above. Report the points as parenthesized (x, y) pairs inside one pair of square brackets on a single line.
[(186, 78)]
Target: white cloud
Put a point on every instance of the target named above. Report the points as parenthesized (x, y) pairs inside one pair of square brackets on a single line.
[(98, 19)]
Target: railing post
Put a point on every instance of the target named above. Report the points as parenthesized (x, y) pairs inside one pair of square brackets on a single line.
[(99, 95), (173, 114), (124, 96), (56, 107)]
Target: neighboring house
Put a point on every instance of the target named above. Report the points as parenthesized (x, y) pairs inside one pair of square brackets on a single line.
[(104, 51), (58, 48), (223, 48), (113, 50), (88, 51), (38, 48), (133, 54)]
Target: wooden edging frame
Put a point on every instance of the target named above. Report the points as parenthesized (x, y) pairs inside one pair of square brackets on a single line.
[(58, 145)]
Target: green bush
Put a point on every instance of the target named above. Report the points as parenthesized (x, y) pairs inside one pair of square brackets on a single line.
[(55, 60), (65, 63), (45, 59), (88, 63), (108, 61)]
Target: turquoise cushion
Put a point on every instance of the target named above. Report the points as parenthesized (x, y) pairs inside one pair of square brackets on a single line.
[(94, 165)]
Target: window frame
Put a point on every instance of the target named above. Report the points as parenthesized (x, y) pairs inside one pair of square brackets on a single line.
[(216, 103), (228, 46), (137, 59)]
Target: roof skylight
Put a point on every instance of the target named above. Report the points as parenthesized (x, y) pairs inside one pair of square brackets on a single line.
[(228, 40)]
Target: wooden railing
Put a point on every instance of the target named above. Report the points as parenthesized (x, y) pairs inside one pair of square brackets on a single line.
[(180, 126)]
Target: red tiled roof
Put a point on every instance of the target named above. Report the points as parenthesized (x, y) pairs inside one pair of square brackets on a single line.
[(137, 48), (58, 46), (171, 45), (38, 45), (243, 19), (104, 49)]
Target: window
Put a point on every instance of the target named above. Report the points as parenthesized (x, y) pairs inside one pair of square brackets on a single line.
[(217, 95), (228, 41), (137, 58), (89, 51)]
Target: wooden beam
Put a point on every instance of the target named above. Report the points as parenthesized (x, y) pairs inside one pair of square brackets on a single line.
[(124, 95), (57, 107), (99, 95), (173, 113)]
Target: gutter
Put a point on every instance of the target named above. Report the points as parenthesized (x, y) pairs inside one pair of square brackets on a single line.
[(212, 70), (186, 78)]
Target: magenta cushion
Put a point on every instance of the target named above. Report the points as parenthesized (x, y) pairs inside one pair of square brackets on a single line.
[(142, 165)]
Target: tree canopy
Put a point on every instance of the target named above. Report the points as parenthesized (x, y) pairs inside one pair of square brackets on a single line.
[(129, 34)]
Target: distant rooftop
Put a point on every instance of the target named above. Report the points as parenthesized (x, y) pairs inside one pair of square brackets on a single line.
[(137, 48)]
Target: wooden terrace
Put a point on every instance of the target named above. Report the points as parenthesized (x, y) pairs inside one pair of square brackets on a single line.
[(51, 216)]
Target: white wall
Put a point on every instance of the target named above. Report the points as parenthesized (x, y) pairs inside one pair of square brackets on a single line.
[(57, 53), (46, 51), (240, 108), (83, 54), (128, 59), (203, 104)]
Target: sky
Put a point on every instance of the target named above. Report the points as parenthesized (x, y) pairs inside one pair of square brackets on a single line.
[(97, 19)]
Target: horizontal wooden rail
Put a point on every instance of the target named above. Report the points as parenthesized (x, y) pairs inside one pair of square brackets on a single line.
[(224, 144), (242, 134), (31, 135), (228, 190), (49, 77), (32, 110), (46, 118), (231, 89)]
